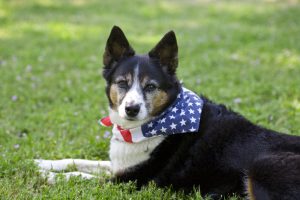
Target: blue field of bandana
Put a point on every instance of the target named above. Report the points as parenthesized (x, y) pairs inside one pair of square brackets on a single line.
[(181, 117)]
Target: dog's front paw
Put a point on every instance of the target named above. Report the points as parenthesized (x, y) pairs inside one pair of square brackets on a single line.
[(54, 165), (43, 164), (48, 165), (49, 176)]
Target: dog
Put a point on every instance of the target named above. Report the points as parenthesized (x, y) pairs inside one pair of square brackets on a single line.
[(165, 133)]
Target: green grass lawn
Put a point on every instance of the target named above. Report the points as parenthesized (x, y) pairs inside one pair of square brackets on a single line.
[(241, 53)]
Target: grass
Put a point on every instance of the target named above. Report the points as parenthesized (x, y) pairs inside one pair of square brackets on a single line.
[(245, 54)]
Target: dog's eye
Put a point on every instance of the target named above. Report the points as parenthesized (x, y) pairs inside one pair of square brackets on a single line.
[(122, 84), (150, 87)]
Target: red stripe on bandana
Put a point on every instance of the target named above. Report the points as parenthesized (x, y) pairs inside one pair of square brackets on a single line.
[(106, 122), (126, 134)]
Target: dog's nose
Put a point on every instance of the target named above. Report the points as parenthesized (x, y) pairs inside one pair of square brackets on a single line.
[(132, 110)]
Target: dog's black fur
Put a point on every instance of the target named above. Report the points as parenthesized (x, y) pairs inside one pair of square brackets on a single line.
[(227, 151), (229, 154)]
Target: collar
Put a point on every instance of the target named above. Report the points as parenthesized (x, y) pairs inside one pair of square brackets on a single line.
[(183, 116)]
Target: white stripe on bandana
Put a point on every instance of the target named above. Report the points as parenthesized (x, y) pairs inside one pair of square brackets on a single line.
[(183, 116)]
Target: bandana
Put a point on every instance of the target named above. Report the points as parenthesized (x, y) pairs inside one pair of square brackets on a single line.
[(183, 116)]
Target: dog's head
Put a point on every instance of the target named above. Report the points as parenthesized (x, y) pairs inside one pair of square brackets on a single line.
[(139, 87)]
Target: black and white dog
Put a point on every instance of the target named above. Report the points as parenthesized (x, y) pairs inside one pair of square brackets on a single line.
[(163, 132)]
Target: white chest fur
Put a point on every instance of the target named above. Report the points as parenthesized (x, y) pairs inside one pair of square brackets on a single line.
[(124, 155)]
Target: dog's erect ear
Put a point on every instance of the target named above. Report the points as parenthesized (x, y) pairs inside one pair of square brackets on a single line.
[(117, 47), (166, 51)]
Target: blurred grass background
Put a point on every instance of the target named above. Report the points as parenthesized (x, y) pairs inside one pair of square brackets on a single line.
[(245, 54)]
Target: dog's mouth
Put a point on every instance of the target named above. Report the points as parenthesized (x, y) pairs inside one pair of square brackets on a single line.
[(131, 118), (135, 119)]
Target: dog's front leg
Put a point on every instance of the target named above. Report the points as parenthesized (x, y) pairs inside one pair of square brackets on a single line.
[(85, 168), (52, 176)]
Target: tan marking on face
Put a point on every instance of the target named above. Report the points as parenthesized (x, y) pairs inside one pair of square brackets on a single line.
[(158, 101), (144, 80), (129, 79), (113, 94), (126, 77), (117, 94)]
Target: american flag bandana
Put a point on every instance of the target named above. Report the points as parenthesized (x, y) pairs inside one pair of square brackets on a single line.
[(183, 116)]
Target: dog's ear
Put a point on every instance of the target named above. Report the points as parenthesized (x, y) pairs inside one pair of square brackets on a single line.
[(117, 47), (166, 51)]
